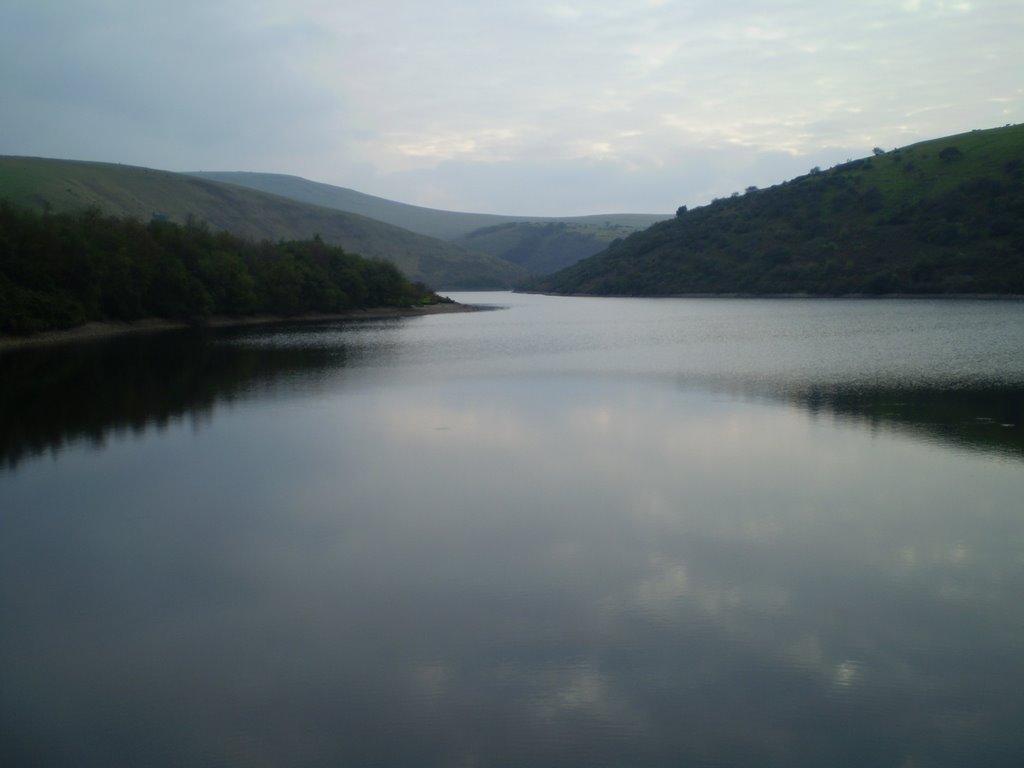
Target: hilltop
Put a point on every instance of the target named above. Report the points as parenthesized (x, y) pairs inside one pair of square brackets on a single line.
[(146, 194), (944, 216)]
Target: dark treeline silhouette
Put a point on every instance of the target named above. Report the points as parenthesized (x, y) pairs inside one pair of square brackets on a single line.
[(58, 270), (53, 397), (89, 392), (982, 417)]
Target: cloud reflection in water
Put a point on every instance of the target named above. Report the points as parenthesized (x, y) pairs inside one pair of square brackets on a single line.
[(359, 562)]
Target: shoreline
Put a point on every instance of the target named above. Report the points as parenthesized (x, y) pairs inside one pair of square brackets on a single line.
[(952, 296), (102, 330)]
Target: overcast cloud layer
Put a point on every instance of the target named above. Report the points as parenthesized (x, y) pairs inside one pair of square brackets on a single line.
[(536, 107)]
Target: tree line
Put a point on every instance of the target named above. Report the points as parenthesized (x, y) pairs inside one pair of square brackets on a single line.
[(58, 270)]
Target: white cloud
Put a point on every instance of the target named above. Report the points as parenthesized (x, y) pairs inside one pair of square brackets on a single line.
[(363, 94)]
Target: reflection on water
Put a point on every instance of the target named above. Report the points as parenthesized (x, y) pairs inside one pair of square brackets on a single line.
[(50, 396), (396, 547), (989, 419)]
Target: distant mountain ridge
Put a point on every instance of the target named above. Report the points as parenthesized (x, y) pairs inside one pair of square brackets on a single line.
[(544, 247), (144, 193), (445, 225), (944, 216)]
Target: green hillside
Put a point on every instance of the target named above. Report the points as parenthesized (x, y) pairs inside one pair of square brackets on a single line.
[(543, 248), (939, 217), (446, 225), (145, 194)]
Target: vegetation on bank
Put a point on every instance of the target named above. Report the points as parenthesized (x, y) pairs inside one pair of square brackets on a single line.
[(940, 217), (69, 186), (59, 270)]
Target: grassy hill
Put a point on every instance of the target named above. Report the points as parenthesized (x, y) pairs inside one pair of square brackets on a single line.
[(446, 225), (544, 247), (145, 194), (939, 217)]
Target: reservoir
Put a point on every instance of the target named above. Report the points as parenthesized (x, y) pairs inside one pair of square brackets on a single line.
[(558, 532)]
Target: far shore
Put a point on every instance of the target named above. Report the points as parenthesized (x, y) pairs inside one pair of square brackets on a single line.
[(804, 295), (98, 330)]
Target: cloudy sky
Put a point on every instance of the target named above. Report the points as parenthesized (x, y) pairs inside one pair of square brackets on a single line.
[(543, 107)]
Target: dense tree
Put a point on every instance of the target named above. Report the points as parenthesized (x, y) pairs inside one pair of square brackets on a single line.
[(59, 270)]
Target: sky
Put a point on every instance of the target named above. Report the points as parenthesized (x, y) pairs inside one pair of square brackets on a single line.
[(533, 107)]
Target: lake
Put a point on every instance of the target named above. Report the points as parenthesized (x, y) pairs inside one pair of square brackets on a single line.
[(563, 532)]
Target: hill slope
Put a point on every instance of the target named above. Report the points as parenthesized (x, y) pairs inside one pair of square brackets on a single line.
[(142, 193), (543, 248), (446, 225), (942, 216)]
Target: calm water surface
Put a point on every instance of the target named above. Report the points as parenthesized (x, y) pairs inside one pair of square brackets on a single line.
[(569, 532)]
